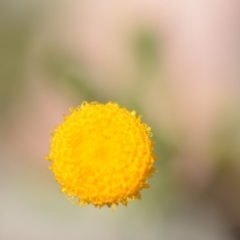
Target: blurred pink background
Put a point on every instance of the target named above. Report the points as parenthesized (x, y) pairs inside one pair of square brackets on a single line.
[(176, 62)]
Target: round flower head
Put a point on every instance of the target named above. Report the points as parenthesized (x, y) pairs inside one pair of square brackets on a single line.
[(102, 155)]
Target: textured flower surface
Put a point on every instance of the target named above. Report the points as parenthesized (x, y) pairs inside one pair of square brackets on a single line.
[(102, 155)]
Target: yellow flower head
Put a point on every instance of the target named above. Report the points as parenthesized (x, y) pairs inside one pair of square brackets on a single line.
[(102, 154)]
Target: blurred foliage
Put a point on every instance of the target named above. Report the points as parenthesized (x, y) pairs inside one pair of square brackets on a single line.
[(145, 46), (69, 74), (226, 142), (17, 25)]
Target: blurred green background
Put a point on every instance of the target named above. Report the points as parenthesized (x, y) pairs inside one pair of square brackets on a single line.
[(176, 64)]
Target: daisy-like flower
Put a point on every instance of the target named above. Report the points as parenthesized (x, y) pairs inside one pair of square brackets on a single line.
[(102, 154)]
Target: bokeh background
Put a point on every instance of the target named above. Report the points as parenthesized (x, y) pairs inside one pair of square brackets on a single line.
[(176, 62)]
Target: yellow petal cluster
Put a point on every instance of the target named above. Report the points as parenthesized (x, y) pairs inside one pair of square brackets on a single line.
[(102, 155)]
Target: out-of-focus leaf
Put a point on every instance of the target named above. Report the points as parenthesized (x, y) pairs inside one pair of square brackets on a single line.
[(146, 51), (69, 75), (226, 144), (17, 25)]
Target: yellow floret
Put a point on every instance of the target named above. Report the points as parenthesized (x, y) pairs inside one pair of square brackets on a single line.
[(102, 154)]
